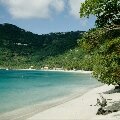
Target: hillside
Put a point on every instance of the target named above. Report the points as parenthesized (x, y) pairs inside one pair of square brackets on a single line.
[(98, 50), (21, 49)]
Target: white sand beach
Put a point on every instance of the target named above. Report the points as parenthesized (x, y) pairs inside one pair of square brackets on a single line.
[(53, 70), (73, 71), (82, 108)]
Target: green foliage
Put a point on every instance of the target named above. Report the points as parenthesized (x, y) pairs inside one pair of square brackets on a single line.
[(22, 49), (107, 68), (103, 46), (74, 59), (69, 60), (106, 11), (92, 39)]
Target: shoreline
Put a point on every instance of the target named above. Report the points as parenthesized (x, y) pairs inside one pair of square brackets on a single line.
[(29, 111), (81, 108), (73, 71), (51, 70)]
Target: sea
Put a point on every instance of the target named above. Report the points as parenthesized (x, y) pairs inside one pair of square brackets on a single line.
[(36, 90)]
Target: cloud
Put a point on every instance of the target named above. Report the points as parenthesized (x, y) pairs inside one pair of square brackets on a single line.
[(25, 9), (33, 8), (74, 6)]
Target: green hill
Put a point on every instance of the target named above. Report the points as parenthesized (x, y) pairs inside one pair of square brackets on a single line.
[(22, 49)]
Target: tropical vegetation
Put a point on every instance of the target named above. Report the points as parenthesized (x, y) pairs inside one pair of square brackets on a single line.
[(22, 49), (103, 43)]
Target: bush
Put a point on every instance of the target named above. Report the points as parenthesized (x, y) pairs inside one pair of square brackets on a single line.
[(103, 45)]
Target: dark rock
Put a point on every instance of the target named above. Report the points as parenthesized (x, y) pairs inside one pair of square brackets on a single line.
[(117, 87), (107, 112), (100, 111), (115, 110)]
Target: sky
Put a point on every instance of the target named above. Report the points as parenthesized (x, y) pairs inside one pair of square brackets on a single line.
[(45, 16)]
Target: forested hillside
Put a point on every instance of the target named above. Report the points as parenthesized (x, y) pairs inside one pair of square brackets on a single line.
[(21, 49)]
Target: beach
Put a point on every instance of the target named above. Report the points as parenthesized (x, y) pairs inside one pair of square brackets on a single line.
[(78, 105), (82, 108), (22, 91), (73, 71), (62, 70)]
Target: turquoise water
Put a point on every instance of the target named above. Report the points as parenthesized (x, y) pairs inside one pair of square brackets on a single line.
[(23, 88)]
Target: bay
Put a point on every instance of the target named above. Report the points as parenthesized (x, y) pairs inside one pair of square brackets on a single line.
[(22, 88)]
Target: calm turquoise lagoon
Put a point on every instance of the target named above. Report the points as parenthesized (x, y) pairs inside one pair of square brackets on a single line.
[(22, 88)]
